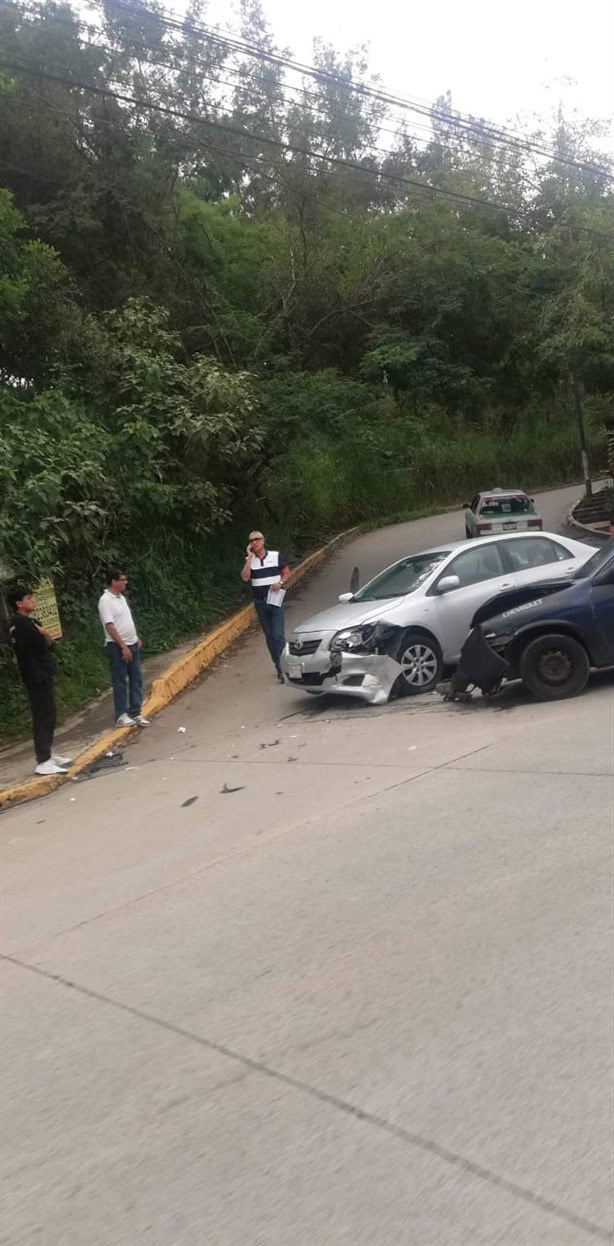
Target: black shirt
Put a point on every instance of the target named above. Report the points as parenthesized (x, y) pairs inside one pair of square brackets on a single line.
[(33, 657)]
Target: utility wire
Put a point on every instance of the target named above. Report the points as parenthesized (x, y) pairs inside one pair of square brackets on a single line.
[(201, 30), (280, 144), (429, 138), (467, 125)]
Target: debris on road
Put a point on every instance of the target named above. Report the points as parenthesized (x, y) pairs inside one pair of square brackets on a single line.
[(190, 801), (110, 761), (271, 745), (226, 790), (182, 730)]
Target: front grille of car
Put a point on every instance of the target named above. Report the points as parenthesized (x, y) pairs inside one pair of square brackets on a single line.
[(302, 648)]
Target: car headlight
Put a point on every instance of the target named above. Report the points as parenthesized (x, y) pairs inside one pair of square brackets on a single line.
[(353, 639)]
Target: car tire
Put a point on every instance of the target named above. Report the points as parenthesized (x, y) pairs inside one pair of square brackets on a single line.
[(422, 665), (554, 666)]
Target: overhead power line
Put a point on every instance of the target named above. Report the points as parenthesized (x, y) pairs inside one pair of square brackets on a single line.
[(237, 132), (280, 144), (202, 30), (467, 127)]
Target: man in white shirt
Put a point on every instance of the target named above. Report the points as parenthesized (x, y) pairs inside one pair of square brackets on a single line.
[(123, 649)]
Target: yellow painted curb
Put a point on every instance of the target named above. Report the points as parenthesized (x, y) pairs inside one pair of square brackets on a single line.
[(179, 674)]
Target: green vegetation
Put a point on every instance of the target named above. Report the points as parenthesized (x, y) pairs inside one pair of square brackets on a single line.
[(205, 323)]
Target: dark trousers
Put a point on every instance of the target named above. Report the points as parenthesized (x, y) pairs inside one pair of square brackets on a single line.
[(271, 620), (127, 680), (42, 709)]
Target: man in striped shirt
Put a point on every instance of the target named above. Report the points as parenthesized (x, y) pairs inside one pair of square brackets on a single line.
[(267, 571)]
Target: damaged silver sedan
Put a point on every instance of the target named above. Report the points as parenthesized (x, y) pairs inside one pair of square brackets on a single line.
[(396, 635)]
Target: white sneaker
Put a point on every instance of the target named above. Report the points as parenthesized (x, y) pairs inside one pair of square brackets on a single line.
[(125, 720), (50, 767), (61, 761), (141, 722)]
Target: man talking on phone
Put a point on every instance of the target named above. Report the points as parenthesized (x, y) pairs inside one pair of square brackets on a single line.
[(267, 571)]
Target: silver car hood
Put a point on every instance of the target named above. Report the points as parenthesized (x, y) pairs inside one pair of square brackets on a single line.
[(348, 614)]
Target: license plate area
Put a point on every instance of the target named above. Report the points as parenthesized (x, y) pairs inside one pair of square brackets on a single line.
[(509, 527), (295, 670)]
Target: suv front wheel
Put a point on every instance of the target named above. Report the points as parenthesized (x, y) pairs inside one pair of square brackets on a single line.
[(421, 663), (554, 666)]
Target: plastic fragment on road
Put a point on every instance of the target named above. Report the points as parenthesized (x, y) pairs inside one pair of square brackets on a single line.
[(182, 730), (226, 790)]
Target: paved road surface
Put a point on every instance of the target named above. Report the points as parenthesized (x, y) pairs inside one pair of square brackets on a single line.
[(365, 997)]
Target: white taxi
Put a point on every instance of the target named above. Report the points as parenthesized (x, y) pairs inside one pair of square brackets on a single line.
[(501, 510)]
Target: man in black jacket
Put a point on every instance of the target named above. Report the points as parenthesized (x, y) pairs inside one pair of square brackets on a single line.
[(32, 644)]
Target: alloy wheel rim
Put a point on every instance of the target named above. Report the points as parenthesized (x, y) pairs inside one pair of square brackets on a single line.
[(419, 665)]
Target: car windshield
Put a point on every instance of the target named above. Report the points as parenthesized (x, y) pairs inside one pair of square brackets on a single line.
[(596, 562), (403, 578), (519, 505)]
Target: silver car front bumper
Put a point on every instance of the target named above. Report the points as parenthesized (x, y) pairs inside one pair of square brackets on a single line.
[(369, 677)]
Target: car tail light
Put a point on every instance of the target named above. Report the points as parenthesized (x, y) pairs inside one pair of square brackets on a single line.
[(535, 523), (484, 527)]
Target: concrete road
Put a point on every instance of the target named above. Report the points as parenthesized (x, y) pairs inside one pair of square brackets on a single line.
[(316, 974)]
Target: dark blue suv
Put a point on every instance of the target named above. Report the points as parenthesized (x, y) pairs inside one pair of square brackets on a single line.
[(547, 635)]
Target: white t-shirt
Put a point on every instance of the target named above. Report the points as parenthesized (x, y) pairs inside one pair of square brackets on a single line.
[(115, 609)]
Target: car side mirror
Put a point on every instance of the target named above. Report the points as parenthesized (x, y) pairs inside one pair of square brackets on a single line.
[(346, 597), (448, 583), (355, 580)]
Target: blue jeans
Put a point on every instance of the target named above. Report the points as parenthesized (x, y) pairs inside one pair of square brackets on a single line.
[(127, 680), (271, 620)]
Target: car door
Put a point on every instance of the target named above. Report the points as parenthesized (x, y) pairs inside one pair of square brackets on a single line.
[(482, 573), (534, 558)]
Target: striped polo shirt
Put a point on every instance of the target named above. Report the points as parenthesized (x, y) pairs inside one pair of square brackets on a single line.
[(266, 571)]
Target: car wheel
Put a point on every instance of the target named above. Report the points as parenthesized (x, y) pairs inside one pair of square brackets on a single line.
[(421, 664), (554, 666)]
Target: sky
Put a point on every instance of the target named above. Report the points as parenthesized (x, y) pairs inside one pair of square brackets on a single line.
[(498, 60)]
